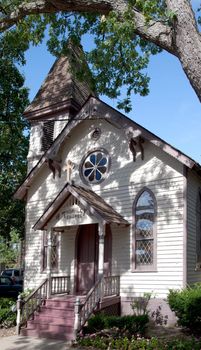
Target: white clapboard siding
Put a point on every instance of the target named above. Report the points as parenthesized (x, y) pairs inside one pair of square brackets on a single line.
[(193, 186), (162, 174)]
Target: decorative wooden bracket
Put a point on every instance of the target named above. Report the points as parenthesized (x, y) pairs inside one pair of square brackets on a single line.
[(132, 145), (140, 142), (54, 165)]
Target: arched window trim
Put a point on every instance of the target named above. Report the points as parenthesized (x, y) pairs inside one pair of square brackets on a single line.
[(198, 230), (145, 268)]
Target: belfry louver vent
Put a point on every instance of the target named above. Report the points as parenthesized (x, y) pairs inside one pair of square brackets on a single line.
[(48, 134)]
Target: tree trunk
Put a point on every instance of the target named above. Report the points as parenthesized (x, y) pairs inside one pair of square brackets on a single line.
[(187, 42)]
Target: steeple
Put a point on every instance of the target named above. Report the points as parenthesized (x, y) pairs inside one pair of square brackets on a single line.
[(60, 97), (61, 90)]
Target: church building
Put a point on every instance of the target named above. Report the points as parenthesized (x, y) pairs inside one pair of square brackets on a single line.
[(112, 210)]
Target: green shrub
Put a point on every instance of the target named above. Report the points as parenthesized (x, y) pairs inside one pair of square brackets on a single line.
[(96, 323), (186, 305), (131, 323), (7, 303), (7, 316)]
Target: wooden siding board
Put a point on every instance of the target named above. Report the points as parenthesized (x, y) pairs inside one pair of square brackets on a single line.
[(163, 176)]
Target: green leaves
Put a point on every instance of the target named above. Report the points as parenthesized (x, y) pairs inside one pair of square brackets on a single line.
[(186, 305), (9, 249), (13, 146), (151, 9), (117, 57)]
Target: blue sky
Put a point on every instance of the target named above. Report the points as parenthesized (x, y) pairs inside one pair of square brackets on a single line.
[(171, 110)]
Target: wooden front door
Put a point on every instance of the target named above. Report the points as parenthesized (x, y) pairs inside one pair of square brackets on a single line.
[(87, 256)]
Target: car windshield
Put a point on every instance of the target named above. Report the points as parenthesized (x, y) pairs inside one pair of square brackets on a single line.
[(7, 273)]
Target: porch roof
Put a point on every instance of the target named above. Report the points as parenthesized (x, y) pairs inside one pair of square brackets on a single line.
[(94, 204)]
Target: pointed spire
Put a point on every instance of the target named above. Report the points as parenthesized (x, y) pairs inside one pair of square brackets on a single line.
[(61, 89)]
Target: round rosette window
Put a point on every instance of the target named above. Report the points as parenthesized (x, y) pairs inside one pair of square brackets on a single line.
[(95, 166)]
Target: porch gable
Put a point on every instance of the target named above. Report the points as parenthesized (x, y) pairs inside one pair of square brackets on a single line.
[(88, 207)]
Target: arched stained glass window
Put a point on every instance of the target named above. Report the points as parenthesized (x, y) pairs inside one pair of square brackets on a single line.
[(95, 166), (144, 254)]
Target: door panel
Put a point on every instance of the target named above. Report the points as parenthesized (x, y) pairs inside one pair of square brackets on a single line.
[(87, 257)]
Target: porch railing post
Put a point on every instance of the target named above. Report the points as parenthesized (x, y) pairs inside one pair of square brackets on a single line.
[(49, 285), (18, 319), (101, 233), (77, 322), (49, 260)]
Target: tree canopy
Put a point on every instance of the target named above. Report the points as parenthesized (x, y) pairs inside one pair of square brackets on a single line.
[(13, 147), (125, 34)]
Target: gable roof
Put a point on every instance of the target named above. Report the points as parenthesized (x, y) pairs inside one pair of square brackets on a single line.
[(89, 200), (95, 108), (61, 87)]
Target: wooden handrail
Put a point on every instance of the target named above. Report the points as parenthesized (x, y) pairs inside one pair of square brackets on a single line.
[(105, 286), (111, 285), (26, 307), (91, 302), (60, 285), (35, 291)]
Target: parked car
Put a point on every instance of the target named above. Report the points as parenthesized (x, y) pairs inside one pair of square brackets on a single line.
[(8, 288), (15, 274)]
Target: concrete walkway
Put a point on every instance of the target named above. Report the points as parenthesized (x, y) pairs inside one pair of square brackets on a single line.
[(30, 343)]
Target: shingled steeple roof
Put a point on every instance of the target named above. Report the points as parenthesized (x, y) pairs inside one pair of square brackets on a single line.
[(61, 88)]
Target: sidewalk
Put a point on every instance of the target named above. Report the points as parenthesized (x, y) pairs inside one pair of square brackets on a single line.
[(30, 343)]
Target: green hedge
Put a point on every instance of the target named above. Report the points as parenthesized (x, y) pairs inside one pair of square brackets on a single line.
[(133, 324), (187, 306)]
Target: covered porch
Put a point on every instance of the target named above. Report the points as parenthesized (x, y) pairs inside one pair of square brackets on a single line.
[(78, 237), (77, 255)]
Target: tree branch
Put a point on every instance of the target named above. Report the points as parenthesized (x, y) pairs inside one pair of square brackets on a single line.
[(154, 31)]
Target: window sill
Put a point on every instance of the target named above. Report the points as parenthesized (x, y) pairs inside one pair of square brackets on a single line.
[(52, 271), (144, 271)]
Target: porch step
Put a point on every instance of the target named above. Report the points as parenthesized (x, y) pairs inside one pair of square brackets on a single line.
[(54, 320), (55, 312), (62, 304), (50, 333)]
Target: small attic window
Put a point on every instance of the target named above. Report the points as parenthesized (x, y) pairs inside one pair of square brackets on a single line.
[(48, 135)]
